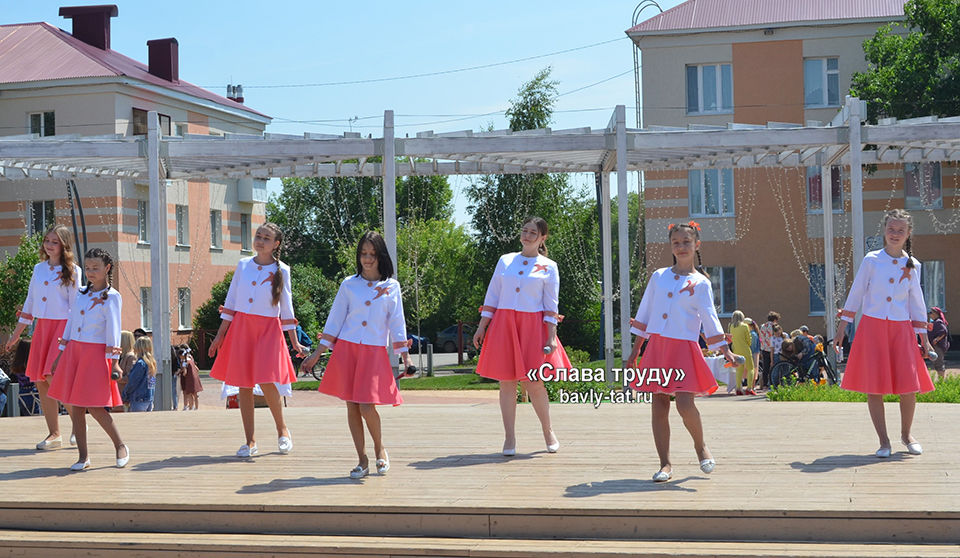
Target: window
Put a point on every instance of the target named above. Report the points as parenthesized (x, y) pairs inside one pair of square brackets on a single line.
[(183, 226), (711, 192), (818, 287), (709, 89), (216, 229), (923, 187), (724, 282), (140, 126), (815, 190), (183, 307), (245, 231), (821, 82), (40, 217), (146, 317), (43, 124), (932, 283), (143, 222)]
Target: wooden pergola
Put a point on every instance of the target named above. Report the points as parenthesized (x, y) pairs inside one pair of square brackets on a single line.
[(613, 149)]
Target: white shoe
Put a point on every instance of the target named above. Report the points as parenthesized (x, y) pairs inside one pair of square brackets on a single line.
[(914, 448), (73, 439), (80, 465), (46, 444), (247, 451), (552, 448), (509, 452), (359, 472), (707, 465), (122, 461), (285, 443), (883, 453), (661, 476), (383, 465)]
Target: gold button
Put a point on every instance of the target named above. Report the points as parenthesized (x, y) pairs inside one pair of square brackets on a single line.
[(364, 324), (78, 329), (251, 300), (525, 262), (367, 303), (259, 267), (669, 295), (521, 273), (369, 283), (891, 279), (51, 268), (889, 299), (518, 289), (254, 283), (894, 262), (44, 299), (676, 276), (81, 312), (46, 282), (664, 316)]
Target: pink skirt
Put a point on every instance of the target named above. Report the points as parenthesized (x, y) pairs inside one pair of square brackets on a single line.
[(514, 344), (82, 378), (360, 374), (44, 348), (253, 352), (665, 353), (885, 360)]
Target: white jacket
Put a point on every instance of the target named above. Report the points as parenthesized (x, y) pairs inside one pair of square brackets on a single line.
[(251, 292), (885, 288), (47, 297), (94, 319), (367, 313), (523, 284), (675, 306)]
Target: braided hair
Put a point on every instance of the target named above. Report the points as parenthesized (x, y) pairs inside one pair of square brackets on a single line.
[(901, 215), (695, 231), (67, 258), (276, 285), (107, 260)]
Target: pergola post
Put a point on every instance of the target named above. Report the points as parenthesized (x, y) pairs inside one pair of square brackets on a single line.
[(159, 266), (389, 166), (829, 267), (623, 230), (856, 180), (607, 258)]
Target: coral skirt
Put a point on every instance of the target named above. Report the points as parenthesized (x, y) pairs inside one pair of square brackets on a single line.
[(44, 348), (665, 353), (82, 377), (360, 374), (885, 360), (253, 352), (514, 344)]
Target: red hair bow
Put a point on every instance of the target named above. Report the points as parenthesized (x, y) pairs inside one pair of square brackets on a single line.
[(695, 225)]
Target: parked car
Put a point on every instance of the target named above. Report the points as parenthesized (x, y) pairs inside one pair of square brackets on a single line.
[(447, 339), (418, 343)]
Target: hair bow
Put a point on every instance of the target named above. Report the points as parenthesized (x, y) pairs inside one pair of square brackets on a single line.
[(695, 225)]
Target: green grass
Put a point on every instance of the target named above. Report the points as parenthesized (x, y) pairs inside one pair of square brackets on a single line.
[(946, 391), (449, 382)]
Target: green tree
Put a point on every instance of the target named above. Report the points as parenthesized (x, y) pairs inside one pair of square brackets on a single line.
[(914, 67), (16, 272)]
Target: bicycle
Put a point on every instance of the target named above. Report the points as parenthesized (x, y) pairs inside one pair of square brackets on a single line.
[(792, 369), (318, 368)]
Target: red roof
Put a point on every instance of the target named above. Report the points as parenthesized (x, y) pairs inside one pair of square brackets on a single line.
[(704, 15), (42, 52)]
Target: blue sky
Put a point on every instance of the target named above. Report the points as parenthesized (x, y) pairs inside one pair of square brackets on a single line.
[(300, 42)]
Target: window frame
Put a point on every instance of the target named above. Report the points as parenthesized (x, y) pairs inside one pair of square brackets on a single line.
[(146, 312), (825, 73), (182, 215), (216, 229), (722, 187), (718, 279), (837, 204), (246, 238), (183, 309), (48, 210), (839, 284), (927, 276), (47, 125), (143, 222), (719, 69), (917, 202), (140, 126)]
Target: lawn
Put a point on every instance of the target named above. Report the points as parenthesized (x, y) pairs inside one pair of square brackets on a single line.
[(946, 391)]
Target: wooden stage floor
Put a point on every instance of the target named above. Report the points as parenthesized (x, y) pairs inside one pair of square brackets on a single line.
[(785, 472)]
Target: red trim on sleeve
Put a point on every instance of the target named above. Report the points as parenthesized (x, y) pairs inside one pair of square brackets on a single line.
[(24, 316), (490, 309), (226, 311), (922, 325), (289, 322), (715, 339), (639, 325), (328, 337), (847, 314)]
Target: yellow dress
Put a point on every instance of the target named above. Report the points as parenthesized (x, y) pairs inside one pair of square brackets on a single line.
[(741, 346)]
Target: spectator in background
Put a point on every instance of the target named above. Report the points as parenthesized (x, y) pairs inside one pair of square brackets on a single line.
[(766, 347), (127, 360), (740, 334), (776, 341), (755, 352), (940, 339)]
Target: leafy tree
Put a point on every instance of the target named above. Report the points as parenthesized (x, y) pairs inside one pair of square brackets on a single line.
[(915, 73), (15, 274)]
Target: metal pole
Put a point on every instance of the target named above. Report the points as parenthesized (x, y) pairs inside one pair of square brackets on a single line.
[(623, 230), (856, 180), (607, 269), (829, 267), (159, 266), (390, 187)]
